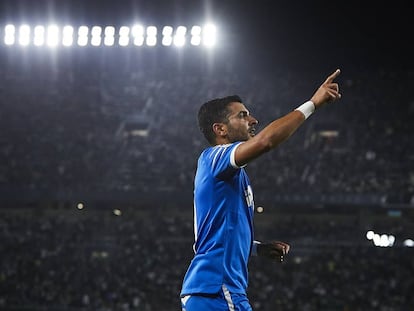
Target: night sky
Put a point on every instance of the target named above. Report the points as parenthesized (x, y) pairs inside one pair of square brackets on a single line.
[(274, 32)]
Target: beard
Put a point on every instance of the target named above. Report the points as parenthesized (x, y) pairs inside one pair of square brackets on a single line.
[(238, 134)]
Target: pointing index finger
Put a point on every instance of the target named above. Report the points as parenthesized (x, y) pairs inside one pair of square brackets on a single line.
[(333, 76)]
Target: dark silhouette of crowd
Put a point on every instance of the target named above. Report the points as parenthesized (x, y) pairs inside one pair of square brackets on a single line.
[(113, 126), (135, 259), (92, 125)]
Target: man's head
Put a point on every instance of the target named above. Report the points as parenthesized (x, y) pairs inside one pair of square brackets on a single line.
[(226, 120)]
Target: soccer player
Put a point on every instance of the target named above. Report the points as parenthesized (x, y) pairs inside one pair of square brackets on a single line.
[(217, 277)]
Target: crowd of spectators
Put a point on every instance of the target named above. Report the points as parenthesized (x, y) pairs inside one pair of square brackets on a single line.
[(94, 259), (81, 125), (63, 128)]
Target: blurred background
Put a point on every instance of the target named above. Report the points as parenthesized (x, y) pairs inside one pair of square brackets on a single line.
[(99, 143)]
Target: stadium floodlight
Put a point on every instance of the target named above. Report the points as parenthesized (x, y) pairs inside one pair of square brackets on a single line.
[(52, 35), (151, 39), (195, 35), (124, 36), (381, 240), (377, 239), (137, 32), (137, 35), (167, 38), (109, 35), (24, 35), (408, 243), (391, 240), (9, 34), (39, 35), (179, 38), (370, 234), (83, 35), (209, 35), (96, 35), (67, 35)]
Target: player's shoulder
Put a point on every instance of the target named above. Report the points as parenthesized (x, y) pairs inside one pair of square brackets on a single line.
[(218, 149)]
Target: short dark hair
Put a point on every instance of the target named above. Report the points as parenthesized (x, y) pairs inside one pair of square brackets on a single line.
[(214, 111)]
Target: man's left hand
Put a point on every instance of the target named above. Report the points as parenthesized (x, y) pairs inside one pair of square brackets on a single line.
[(273, 250)]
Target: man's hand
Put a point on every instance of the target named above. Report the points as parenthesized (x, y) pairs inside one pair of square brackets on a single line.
[(273, 250), (327, 92)]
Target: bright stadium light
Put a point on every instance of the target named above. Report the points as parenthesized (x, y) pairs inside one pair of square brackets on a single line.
[(67, 35), (377, 239), (83, 35), (109, 35), (384, 240), (137, 35), (39, 35), (370, 234), (195, 35), (124, 36), (381, 240), (96, 35), (52, 35), (24, 35), (117, 212), (167, 38), (151, 36), (408, 243), (209, 35), (137, 32), (179, 38), (9, 34), (391, 240)]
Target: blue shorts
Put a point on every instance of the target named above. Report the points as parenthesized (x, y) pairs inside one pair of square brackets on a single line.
[(223, 301)]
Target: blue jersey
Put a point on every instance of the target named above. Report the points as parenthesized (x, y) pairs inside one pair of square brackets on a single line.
[(223, 224)]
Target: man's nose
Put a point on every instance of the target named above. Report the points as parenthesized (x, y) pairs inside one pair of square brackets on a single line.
[(253, 120)]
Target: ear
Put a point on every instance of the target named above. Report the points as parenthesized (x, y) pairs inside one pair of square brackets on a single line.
[(220, 129)]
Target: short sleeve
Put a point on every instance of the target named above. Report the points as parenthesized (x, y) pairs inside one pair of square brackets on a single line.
[(221, 160)]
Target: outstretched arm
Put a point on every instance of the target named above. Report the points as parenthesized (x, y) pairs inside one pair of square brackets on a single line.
[(281, 129)]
